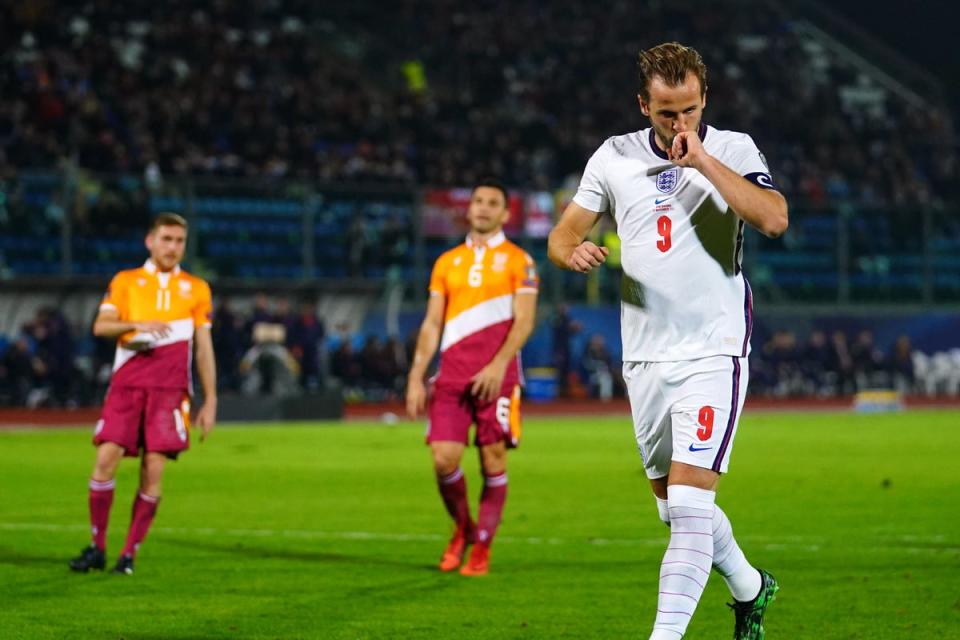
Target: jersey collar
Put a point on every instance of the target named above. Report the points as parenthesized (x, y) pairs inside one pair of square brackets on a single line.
[(701, 133), (492, 243), (151, 267)]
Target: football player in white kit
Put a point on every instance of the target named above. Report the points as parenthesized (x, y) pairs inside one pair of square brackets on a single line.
[(680, 192)]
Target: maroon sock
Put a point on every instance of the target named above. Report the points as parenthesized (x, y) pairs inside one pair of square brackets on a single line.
[(453, 490), (101, 497), (491, 507), (144, 508)]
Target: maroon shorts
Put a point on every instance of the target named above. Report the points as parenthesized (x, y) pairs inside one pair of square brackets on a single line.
[(453, 409), (136, 418)]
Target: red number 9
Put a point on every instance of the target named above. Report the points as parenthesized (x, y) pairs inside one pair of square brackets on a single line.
[(706, 423), (664, 225)]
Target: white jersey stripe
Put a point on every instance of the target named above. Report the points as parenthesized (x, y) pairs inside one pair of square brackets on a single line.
[(180, 331), (476, 318)]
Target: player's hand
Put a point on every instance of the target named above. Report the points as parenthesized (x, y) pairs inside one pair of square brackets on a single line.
[(687, 150), (488, 382), (587, 256), (416, 397), (156, 329), (206, 417)]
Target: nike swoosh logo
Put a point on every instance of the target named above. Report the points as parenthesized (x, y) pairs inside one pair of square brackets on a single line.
[(660, 201), (693, 448)]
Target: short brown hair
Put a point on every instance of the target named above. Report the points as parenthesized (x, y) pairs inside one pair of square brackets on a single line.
[(672, 62), (168, 220)]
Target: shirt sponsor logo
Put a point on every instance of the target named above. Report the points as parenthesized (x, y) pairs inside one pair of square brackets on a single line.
[(667, 180)]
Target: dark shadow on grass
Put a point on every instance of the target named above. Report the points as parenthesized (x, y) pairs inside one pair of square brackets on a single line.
[(247, 550), (20, 559)]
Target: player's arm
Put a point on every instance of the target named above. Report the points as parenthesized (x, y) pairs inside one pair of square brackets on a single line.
[(109, 325), (567, 246), (207, 372), (427, 343), (763, 209), (489, 380)]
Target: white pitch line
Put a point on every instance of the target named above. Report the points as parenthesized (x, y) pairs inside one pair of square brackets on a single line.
[(660, 541), (812, 544)]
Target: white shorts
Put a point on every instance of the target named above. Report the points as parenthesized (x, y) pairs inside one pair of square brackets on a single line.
[(686, 411)]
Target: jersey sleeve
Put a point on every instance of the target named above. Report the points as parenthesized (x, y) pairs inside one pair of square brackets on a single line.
[(117, 296), (203, 309), (438, 283), (592, 192), (525, 276), (745, 158)]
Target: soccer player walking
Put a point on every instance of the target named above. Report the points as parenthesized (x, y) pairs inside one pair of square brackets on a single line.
[(156, 312), (680, 192), (483, 297)]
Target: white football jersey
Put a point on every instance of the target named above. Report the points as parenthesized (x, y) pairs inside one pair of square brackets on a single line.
[(684, 295)]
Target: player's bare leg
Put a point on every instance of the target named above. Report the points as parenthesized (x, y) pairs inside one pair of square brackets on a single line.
[(752, 590), (144, 508), (493, 461), (100, 500), (453, 490)]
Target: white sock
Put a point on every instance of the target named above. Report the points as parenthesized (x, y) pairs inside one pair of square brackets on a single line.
[(742, 579), (663, 511), (686, 563)]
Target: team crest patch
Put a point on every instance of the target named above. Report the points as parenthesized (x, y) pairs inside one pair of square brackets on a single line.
[(667, 180), (500, 261)]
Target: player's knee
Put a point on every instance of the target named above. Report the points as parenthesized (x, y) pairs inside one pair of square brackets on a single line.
[(494, 466), (445, 463)]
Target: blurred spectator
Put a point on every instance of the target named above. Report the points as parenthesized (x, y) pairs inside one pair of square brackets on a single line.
[(19, 372), (867, 362), (781, 352), (843, 366), (53, 357), (305, 341), (598, 364), (345, 365), (563, 330), (229, 344), (900, 365), (817, 364)]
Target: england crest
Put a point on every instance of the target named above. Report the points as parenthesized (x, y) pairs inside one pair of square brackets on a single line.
[(667, 180)]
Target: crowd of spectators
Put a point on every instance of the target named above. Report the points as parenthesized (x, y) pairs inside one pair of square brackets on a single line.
[(274, 349), (437, 93), (830, 365)]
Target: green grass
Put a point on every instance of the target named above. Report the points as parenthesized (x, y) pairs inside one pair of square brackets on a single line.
[(333, 532)]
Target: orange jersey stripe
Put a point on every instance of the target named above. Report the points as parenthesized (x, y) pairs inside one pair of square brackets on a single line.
[(479, 284)]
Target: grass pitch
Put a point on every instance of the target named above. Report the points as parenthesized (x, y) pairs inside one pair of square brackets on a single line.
[(333, 531)]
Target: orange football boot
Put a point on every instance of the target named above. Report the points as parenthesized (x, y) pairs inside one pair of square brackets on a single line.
[(478, 564), (457, 548)]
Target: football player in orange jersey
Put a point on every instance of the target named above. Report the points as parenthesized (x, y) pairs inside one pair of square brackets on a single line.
[(158, 313), (483, 297)]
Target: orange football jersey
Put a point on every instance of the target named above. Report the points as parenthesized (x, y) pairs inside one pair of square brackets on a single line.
[(181, 300), (479, 283)]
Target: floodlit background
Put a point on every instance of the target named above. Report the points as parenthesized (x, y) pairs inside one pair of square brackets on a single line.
[(323, 155)]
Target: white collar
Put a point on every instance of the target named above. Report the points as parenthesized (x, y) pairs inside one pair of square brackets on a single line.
[(151, 267), (492, 243)]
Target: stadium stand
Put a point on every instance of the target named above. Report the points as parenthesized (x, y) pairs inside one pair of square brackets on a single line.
[(304, 142)]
